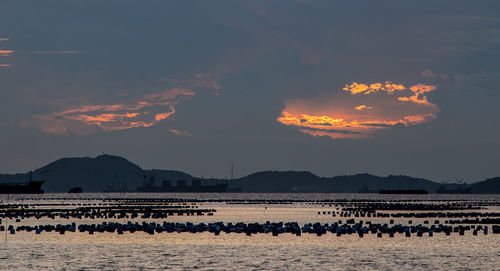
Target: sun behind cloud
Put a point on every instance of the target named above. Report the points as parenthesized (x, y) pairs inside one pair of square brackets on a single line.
[(360, 110)]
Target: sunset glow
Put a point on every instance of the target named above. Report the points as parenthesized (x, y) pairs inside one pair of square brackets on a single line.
[(6, 52), (388, 87), (419, 94), (144, 112), (362, 107), (342, 116)]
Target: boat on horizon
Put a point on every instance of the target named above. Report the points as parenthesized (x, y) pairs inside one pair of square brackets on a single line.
[(181, 187), (30, 187)]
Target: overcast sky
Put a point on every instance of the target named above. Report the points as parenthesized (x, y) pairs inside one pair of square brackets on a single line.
[(332, 87)]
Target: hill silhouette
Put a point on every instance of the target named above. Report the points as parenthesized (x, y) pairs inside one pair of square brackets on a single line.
[(489, 186), (115, 173), (94, 174), (279, 181), (301, 181)]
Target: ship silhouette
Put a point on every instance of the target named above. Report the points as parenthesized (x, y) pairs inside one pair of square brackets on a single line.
[(181, 187), (31, 187)]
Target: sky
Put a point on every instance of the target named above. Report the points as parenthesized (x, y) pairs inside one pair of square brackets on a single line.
[(331, 87)]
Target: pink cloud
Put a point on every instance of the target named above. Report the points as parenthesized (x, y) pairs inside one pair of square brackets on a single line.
[(144, 112), (179, 133), (6, 52)]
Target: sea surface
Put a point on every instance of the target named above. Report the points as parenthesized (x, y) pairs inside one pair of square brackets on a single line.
[(235, 251)]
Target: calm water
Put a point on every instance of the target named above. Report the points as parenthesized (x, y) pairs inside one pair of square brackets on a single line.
[(205, 251)]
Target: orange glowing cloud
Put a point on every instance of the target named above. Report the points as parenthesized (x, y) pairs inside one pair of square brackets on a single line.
[(6, 52), (351, 115), (389, 87), (362, 107), (419, 94), (144, 112), (162, 116)]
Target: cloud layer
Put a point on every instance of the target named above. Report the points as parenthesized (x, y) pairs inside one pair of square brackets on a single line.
[(144, 112), (361, 110), (5, 53)]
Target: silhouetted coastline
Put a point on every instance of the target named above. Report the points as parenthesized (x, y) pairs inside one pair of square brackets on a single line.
[(181, 187), (110, 173)]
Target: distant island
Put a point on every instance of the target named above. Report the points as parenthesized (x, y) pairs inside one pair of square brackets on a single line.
[(117, 174)]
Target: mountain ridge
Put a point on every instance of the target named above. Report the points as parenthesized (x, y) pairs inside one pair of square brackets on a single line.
[(115, 173)]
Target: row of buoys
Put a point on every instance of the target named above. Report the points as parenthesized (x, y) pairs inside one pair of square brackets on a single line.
[(80, 213), (347, 214), (254, 228), (475, 221), (395, 206), (441, 214), (96, 205), (354, 207), (491, 218), (413, 214)]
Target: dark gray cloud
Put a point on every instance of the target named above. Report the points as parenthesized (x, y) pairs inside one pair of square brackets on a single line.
[(243, 60)]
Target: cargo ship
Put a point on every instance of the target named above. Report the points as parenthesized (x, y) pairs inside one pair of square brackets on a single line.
[(31, 187), (181, 187)]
